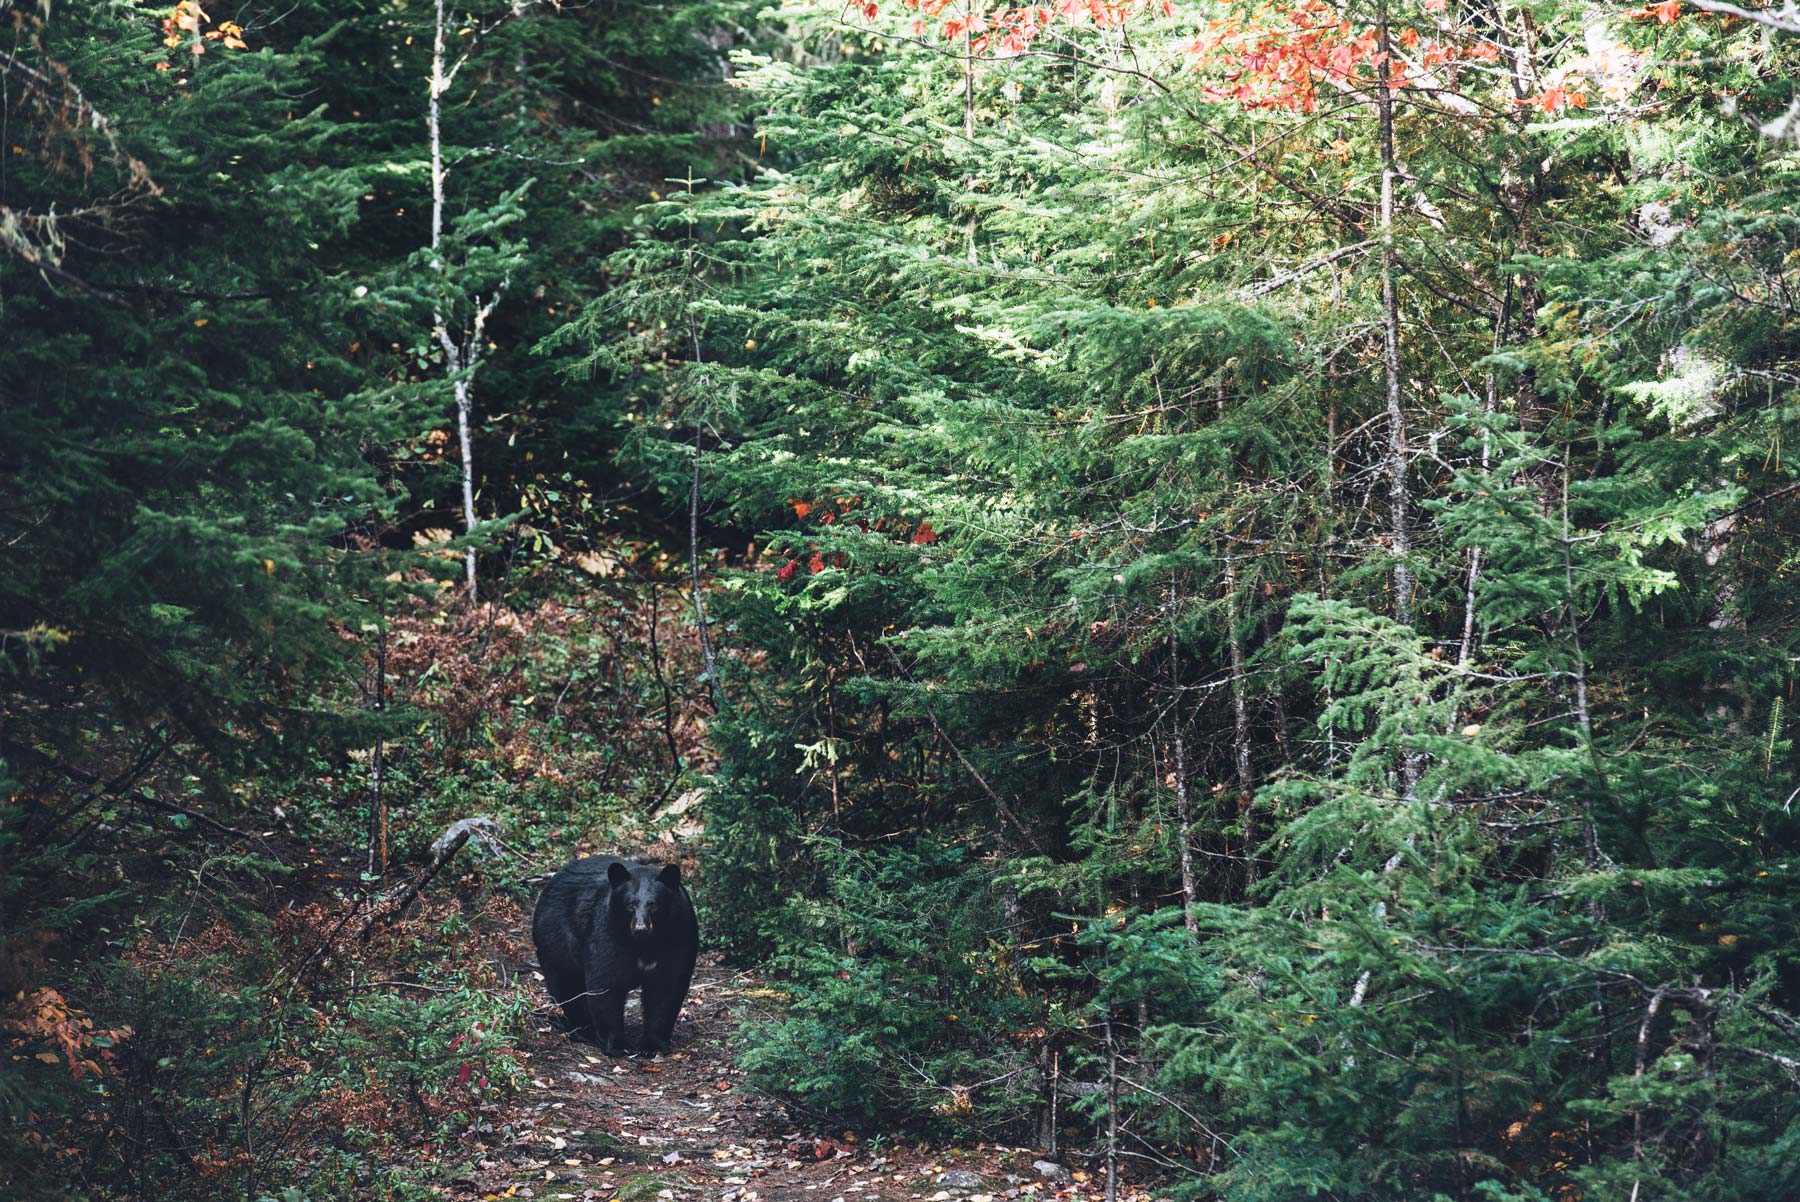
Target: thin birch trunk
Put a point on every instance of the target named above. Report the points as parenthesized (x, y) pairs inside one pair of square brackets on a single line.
[(1643, 1054), (468, 482), (706, 647), (1398, 508), (1112, 1112), (1490, 401), (1399, 516), (434, 128), (1184, 820), (1396, 459), (462, 356), (1583, 715), (968, 58), (378, 814), (1184, 808), (1240, 717)]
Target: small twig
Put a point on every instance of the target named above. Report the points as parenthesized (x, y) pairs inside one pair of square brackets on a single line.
[(384, 985)]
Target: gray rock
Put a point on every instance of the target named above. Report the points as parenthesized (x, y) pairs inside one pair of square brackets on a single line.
[(1050, 1171), (960, 1179)]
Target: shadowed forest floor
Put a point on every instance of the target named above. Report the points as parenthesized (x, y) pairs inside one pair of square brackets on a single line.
[(684, 1126)]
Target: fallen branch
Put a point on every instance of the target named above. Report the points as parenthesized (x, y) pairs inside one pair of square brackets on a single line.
[(1005, 810), (1264, 287), (1783, 20), (442, 851), (169, 807)]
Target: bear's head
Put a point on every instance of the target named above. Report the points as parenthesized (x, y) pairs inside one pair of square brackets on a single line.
[(643, 894)]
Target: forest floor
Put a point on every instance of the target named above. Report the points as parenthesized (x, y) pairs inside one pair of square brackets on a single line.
[(684, 1127)]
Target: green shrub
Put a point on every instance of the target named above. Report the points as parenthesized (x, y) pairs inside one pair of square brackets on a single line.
[(905, 1004)]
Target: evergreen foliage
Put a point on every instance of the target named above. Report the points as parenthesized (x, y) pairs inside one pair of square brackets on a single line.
[(1240, 558), (228, 489), (1053, 388)]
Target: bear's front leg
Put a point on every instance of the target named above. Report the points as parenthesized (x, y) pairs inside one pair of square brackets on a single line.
[(606, 1015), (663, 995), (568, 994)]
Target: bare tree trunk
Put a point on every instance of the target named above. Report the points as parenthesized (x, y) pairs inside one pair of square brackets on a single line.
[(968, 57), (378, 815), (468, 481), (1582, 714), (706, 647), (1184, 807), (434, 128), (1490, 400), (1240, 716), (1184, 820), (1398, 515), (1643, 1053), (1112, 1112), (462, 352)]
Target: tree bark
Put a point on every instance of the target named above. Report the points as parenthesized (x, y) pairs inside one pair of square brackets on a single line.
[(462, 353), (968, 57), (378, 814), (1112, 1111), (1399, 517), (1184, 808), (1240, 717), (706, 647)]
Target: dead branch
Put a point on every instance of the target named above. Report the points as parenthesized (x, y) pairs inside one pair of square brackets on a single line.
[(395, 901)]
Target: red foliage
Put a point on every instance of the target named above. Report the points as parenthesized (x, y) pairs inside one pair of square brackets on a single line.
[(43, 1019), (1270, 56), (1277, 57), (1666, 13), (1010, 30)]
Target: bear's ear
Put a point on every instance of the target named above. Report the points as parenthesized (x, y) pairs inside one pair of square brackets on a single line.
[(617, 873), (670, 875)]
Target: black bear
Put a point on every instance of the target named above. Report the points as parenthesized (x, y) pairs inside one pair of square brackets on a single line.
[(605, 926)]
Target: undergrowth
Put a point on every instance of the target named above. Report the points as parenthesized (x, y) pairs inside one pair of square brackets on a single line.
[(189, 1011)]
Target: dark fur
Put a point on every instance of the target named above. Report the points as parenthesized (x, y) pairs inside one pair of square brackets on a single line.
[(605, 926)]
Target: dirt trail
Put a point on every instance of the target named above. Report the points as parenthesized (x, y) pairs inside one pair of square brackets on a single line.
[(684, 1128)]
